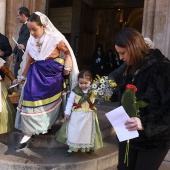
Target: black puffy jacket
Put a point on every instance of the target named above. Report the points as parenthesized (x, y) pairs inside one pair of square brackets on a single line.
[(153, 83)]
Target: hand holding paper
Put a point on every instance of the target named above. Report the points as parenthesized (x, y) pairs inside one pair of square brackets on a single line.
[(117, 118)]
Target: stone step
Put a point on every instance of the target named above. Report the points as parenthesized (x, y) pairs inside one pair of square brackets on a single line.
[(43, 141), (48, 154), (104, 158), (48, 140)]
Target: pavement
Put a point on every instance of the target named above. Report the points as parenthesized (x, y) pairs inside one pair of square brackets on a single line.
[(166, 163), (48, 154)]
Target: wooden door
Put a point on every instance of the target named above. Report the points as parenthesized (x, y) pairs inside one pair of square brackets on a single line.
[(86, 39)]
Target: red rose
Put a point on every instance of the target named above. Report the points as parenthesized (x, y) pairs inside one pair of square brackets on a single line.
[(131, 86)]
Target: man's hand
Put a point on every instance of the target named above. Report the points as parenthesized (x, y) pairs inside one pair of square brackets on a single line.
[(21, 46), (12, 56)]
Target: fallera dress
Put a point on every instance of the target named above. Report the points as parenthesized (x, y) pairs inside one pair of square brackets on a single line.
[(44, 63), (82, 131), (42, 94)]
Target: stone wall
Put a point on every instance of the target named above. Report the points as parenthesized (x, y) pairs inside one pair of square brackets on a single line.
[(156, 24), (2, 16)]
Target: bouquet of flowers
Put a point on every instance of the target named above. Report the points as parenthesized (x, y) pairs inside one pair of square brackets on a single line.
[(103, 88), (131, 107)]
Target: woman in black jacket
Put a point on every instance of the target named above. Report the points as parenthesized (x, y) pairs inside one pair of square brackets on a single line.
[(149, 70)]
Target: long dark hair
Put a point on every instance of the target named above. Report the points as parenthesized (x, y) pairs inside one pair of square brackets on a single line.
[(134, 42)]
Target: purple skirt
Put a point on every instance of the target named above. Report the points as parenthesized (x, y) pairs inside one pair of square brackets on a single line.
[(44, 83)]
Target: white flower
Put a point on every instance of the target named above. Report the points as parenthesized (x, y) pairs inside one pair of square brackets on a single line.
[(101, 93), (106, 77), (102, 85), (94, 86), (99, 89), (102, 81), (95, 92)]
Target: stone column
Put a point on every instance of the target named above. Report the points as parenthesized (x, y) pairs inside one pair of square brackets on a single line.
[(2, 16), (148, 18), (156, 23)]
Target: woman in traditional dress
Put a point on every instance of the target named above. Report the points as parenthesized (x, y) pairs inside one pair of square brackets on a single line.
[(49, 58), (7, 110)]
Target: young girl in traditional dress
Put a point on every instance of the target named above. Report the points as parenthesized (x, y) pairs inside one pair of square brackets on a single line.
[(48, 58), (83, 132)]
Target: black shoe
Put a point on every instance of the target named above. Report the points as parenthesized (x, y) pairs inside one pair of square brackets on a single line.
[(68, 154), (90, 152), (23, 145)]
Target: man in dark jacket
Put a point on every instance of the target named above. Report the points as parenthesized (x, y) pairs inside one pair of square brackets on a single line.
[(22, 15), (5, 50)]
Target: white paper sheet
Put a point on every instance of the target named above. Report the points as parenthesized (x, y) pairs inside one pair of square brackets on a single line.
[(117, 118)]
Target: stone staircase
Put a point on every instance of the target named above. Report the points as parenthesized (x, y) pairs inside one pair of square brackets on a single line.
[(48, 154)]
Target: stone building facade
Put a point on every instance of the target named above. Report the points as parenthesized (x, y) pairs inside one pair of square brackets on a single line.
[(156, 24), (154, 17)]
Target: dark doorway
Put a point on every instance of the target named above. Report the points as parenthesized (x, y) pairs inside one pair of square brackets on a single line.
[(98, 23)]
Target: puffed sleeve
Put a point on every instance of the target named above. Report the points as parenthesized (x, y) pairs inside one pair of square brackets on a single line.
[(68, 61)]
